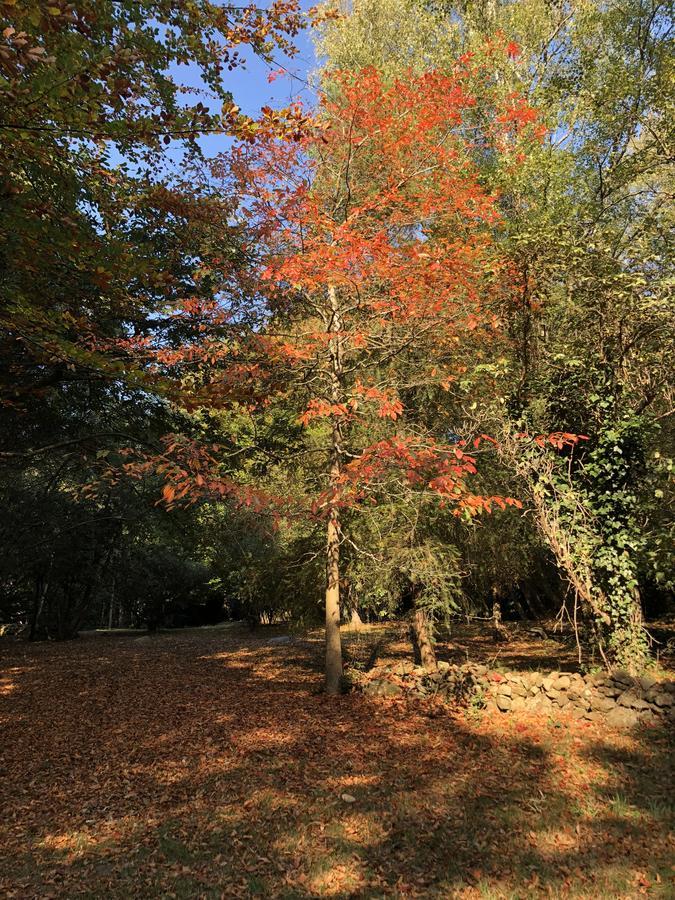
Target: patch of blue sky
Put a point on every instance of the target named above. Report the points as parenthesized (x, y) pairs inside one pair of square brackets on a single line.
[(254, 84)]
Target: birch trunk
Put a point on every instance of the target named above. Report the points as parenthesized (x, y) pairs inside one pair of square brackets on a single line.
[(333, 640)]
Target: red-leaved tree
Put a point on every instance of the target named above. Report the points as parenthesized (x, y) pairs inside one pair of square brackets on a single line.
[(372, 267)]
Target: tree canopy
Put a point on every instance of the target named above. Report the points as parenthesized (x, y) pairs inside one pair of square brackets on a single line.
[(404, 351)]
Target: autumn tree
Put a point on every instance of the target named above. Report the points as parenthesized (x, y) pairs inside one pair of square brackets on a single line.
[(372, 265), (87, 108)]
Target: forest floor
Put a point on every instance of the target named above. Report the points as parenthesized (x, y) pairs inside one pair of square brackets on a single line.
[(206, 763)]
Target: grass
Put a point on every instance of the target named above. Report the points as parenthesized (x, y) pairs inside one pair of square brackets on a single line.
[(207, 764)]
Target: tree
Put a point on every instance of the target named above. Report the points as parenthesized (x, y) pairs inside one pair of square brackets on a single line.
[(400, 560), (373, 260), (87, 110)]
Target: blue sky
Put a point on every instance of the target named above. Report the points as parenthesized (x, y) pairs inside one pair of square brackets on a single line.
[(250, 86)]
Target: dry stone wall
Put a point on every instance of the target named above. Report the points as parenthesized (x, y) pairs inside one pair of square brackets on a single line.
[(617, 699)]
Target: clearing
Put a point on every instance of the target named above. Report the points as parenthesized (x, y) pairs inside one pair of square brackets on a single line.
[(208, 764)]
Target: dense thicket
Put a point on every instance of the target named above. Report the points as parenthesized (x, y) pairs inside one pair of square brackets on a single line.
[(142, 356)]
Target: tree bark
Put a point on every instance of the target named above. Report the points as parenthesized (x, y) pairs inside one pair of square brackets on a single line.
[(499, 632), (420, 634), (634, 645), (333, 640), (111, 608), (38, 603), (355, 620), (496, 610)]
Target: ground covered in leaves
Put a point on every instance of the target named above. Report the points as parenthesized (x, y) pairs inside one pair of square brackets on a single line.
[(208, 764)]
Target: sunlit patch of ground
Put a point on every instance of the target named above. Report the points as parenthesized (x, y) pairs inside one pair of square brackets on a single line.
[(207, 764)]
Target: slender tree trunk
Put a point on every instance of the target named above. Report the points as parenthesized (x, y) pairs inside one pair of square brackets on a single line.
[(518, 604), (420, 634), (76, 611), (533, 605), (496, 610), (38, 603), (111, 609), (499, 632), (333, 640)]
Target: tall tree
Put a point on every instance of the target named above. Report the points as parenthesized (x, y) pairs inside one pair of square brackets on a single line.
[(374, 262), (87, 107), (99, 236)]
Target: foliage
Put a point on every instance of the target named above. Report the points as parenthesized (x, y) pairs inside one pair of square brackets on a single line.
[(588, 225), (72, 562), (267, 575), (94, 232), (319, 328), (400, 555), (100, 235)]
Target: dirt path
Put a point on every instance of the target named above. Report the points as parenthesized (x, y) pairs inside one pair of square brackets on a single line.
[(208, 765)]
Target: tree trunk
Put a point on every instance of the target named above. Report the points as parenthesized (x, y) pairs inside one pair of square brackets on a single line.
[(533, 605), (496, 610), (499, 632), (420, 634), (333, 640), (632, 649), (355, 621), (38, 603), (111, 608)]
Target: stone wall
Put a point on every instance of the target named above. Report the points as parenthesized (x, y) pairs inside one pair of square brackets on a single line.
[(617, 699)]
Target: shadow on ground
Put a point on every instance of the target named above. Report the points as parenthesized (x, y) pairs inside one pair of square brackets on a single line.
[(208, 765)]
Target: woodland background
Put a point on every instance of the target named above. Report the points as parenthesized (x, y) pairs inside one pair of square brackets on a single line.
[(143, 484), (398, 355)]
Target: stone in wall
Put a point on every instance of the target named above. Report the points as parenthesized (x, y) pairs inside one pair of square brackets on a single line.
[(617, 698)]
